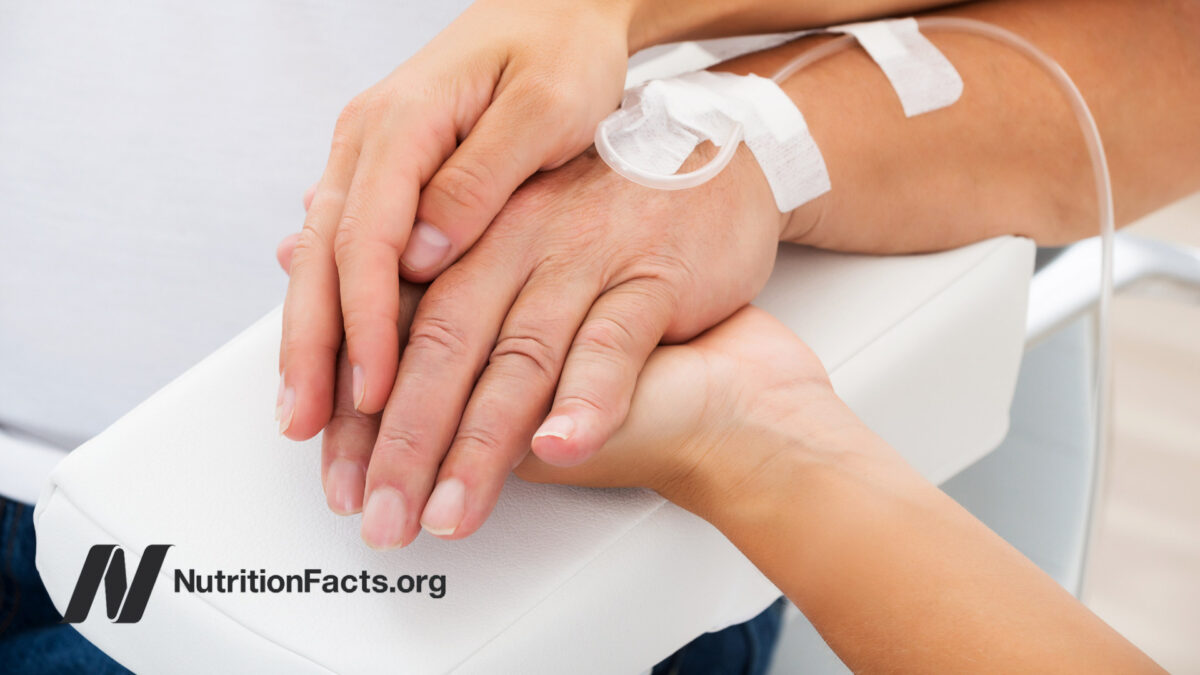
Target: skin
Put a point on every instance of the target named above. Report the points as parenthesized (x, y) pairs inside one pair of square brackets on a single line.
[(681, 270), (434, 151), (423, 161), (557, 306), (893, 573)]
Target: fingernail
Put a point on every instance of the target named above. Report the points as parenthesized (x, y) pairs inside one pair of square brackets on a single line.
[(383, 518), (344, 485), (287, 408), (446, 507), (559, 426), (358, 382), (426, 248), (279, 398)]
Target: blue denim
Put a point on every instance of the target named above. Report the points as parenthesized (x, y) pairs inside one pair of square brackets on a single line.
[(32, 639), (744, 649)]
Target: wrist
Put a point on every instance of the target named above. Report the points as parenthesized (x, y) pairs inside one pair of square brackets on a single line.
[(797, 224), (807, 436), (742, 180)]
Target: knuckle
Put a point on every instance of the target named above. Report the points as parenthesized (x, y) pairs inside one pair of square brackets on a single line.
[(477, 447), (661, 287), (345, 139), (373, 104), (400, 445), (528, 352), (351, 230), (464, 184), (587, 400), (605, 336), (352, 113), (297, 342), (309, 246), (366, 319), (661, 271), (434, 334)]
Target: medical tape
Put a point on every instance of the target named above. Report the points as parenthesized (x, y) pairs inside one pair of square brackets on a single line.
[(661, 122), (919, 73), (922, 76)]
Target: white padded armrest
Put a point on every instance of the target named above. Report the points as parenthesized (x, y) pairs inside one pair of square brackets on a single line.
[(924, 348)]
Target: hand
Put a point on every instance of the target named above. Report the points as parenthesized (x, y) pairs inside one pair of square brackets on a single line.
[(584, 268), (556, 307), (343, 474), (507, 89), (702, 409)]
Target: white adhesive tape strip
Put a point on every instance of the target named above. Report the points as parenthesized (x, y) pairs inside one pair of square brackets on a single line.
[(661, 122), (921, 75)]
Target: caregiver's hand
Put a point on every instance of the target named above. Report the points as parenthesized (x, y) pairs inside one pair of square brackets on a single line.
[(742, 427), (509, 88), (700, 407)]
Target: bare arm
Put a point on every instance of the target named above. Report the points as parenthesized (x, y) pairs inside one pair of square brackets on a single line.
[(742, 427), (895, 575), (1008, 157), (654, 22)]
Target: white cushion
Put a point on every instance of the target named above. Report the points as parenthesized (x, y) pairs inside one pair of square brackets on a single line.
[(560, 579)]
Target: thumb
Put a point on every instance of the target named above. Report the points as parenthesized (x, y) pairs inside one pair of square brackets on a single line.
[(601, 371), (509, 143)]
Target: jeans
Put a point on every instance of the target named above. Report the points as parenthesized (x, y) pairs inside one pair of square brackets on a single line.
[(744, 649), (33, 641)]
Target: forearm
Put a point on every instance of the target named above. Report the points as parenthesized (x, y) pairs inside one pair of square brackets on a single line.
[(1008, 157), (895, 575), (657, 21)]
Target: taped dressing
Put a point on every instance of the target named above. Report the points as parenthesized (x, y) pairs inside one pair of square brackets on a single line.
[(660, 122), (922, 76)]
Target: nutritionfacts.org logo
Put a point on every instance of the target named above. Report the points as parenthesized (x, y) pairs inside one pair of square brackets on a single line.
[(125, 599)]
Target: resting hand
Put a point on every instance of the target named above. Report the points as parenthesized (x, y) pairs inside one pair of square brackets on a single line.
[(509, 88), (578, 279)]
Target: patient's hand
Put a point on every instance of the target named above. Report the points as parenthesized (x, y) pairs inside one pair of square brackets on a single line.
[(699, 404), (560, 302)]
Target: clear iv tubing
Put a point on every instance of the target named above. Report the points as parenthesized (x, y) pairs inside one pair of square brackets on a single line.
[(1101, 385)]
